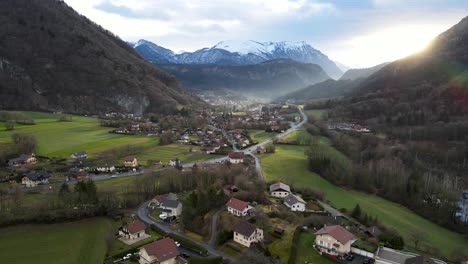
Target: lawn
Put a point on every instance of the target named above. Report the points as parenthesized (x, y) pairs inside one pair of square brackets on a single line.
[(289, 164), (260, 135), (168, 152), (60, 139), (306, 254), (300, 137), (282, 247), (68, 243)]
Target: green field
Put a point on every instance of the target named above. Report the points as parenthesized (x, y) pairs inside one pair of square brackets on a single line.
[(260, 135), (316, 113), (306, 254), (289, 164), (67, 243), (282, 247), (301, 137)]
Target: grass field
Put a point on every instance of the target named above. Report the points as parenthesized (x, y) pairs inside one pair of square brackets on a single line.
[(306, 254), (316, 113), (301, 137), (68, 243), (260, 135), (289, 164), (282, 247)]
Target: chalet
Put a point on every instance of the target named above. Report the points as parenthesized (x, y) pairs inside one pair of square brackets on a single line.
[(238, 207), (391, 256), (22, 160), (35, 178), (334, 240), (236, 157), (279, 189), (133, 230), (295, 203), (130, 161), (246, 233), (79, 155), (162, 251)]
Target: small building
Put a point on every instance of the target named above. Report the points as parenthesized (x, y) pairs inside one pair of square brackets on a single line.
[(79, 155), (373, 231), (211, 150), (24, 159), (295, 203), (386, 255), (246, 233), (174, 162), (334, 240), (133, 230), (35, 178), (78, 174), (238, 207), (280, 190), (130, 161), (156, 202), (104, 168), (236, 157), (162, 251)]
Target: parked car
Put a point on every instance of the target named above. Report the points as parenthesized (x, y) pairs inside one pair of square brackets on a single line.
[(350, 257), (177, 244), (162, 216), (366, 261)]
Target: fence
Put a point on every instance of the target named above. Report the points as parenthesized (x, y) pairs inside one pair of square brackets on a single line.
[(362, 252)]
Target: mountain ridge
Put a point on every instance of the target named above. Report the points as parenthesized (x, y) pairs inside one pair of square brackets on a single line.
[(241, 53)]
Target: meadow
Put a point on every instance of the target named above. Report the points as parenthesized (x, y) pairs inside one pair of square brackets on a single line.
[(260, 135), (67, 243), (289, 164)]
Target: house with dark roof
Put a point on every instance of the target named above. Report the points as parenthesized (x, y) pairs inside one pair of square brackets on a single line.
[(236, 157), (238, 207), (334, 240), (78, 174), (79, 155), (133, 231), (171, 207), (24, 159), (280, 190), (35, 178), (158, 199), (246, 233), (162, 251), (295, 203)]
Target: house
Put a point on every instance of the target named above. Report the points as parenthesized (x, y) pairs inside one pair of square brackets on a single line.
[(334, 240), (158, 199), (295, 203), (130, 161), (280, 190), (171, 207), (105, 168), (133, 230), (162, 251), (238, 207), (78, 173), (211, 150), (35, 178), (386, 255), (261, 150), (79, 155), (174, 162), (246, 233), (236, 157), (22, 160)]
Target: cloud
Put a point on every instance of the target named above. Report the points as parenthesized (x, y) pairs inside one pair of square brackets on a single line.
[(122, 10)]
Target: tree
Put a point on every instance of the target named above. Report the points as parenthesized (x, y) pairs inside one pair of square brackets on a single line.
[(416, 237), (356, 213), (270, 148), (166, 138), (25, 143), (9, 125), (64, 190)]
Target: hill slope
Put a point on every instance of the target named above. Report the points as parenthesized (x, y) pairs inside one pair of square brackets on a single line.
[(354, 74), (267, 79), (241, 53), (53, 59)]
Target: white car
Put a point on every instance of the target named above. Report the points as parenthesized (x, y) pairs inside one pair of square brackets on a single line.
[(177, 244), (163, 216)]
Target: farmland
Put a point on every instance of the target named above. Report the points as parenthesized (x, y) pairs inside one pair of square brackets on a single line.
[(77, 242), (260, 135), (289, 164)]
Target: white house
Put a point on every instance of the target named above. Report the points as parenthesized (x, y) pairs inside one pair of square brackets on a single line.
[(236, 157), (171, 207), (246, 233), (295, 203), (280, 190), (238, 207), (334, 240), (133, 230), (22, 160), (105, 168), (130, 161), (35, 178), (79, 155)]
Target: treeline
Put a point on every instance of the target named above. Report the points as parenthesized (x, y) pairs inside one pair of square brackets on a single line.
[(200, 202), (393, 171), (16, 117)]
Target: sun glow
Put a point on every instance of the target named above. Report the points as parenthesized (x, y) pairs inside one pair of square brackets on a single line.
[(387, 45)]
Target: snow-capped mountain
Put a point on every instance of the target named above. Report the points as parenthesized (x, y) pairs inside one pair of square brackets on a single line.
[(241, 53)]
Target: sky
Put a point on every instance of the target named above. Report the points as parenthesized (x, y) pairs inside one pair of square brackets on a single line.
[(356, 33)]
